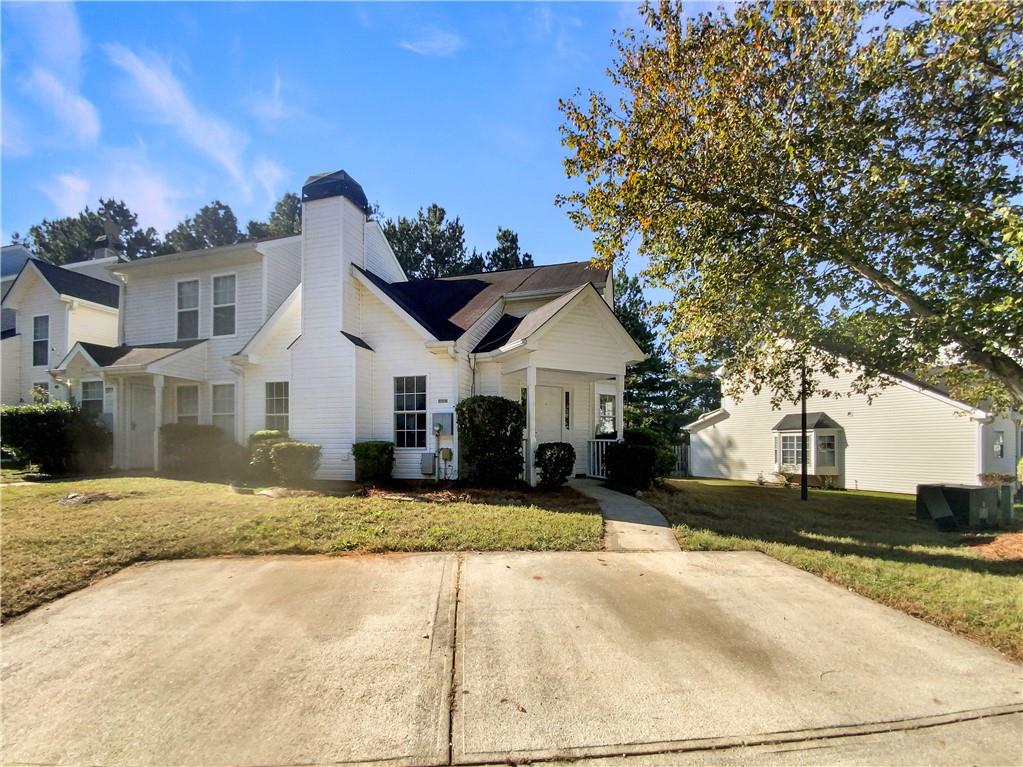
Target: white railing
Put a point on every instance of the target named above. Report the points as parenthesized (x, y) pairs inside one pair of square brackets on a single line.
[(596, 448)]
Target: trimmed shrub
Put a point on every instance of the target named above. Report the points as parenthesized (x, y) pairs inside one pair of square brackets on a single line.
[(629, 466), (295, 462), (374, 461), (665, 463), (56, 436), (490, 440), (261, 466), (192, 450), (555, 461)]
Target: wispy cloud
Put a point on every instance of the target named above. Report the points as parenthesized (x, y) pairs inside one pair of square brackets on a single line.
[(69, 193), (269, 175), (75, 112), (162, 98), (432, 41), (556, 29), (270, 106)]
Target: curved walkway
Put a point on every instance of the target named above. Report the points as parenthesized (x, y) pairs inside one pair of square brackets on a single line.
[(629, 523)]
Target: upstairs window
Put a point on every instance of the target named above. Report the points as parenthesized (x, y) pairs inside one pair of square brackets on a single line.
[(410, 411), (188, 404), (92, 398), (188, 310), (41, 341), (224, 288), (277, 405)]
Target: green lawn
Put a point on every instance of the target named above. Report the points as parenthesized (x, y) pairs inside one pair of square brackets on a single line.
[(48, 549), (868, 542)]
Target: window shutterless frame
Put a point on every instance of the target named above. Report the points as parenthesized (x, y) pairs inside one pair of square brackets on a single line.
[(224, 303), (186, 403), (40, 340), (186, 298), (410, 412), (222, 407), (277, 398), (92, 398)]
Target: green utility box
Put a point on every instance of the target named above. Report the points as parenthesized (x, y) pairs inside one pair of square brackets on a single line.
[(961, 507)]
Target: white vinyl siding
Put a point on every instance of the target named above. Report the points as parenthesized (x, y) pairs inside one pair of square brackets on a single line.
[(88, 323)]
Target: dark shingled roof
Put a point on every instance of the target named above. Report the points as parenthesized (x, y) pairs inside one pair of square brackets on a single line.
[(141, 354), (71, 283), (793, 422), (448, 306), (499, 334)]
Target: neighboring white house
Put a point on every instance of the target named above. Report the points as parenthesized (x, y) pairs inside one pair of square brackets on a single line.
[(47, 309), (322, 335), (908, 434)]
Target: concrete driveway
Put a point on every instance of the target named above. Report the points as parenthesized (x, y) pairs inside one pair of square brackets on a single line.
[(432, 659)]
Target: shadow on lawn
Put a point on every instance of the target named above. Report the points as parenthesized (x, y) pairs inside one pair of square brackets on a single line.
[(871, 526)]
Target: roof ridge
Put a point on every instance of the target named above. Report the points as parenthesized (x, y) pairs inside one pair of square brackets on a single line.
[(517, 269)]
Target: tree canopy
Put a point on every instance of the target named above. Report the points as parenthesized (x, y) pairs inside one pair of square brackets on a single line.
[(806, 177), (212, 226), (507, 254), (73, 238), (285, 219)]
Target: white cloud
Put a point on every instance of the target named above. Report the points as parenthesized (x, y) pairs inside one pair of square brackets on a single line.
[(434, 42), (69, 193), (270, 107), (269, 175), (163, 99), (14, 134), (54, 33), (74, 111)]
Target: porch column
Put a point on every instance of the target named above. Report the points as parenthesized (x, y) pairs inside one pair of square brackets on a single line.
[(530, 423), (158, 419), (620, 406)]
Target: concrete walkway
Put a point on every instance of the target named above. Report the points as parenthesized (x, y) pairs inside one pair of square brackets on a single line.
[(443, 659), (629, 523)]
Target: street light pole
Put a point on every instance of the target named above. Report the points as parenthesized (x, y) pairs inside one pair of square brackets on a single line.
[(803, 488)]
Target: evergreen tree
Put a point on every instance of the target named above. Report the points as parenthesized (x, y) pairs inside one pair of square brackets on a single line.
[(212, 226), (507, 254), (73, 238), (429, 245), (285, 219)]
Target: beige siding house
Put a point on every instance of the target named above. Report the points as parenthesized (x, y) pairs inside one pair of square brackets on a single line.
[(907, 435)]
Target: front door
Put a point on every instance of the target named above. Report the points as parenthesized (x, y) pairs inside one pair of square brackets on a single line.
[(548, 414), (142, 416)]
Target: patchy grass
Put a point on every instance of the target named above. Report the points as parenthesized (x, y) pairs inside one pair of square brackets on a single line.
[(49, 549), (868, 542)]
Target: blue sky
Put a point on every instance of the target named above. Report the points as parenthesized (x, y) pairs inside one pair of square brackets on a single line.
[(171, 105)]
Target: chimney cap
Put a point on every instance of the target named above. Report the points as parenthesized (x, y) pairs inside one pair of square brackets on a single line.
[(336, 184)]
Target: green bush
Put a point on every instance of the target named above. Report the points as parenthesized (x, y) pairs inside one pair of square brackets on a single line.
[(555, 462), (261, 467), (629, 466), (490, 440), (192, 450), (665, 463), (295, 462), (56, 436), (374, 461)]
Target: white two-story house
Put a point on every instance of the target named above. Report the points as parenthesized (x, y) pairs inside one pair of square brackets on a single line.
[(322, 335), (48, 309)]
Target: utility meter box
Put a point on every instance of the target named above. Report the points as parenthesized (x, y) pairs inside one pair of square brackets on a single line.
[(446, 421)]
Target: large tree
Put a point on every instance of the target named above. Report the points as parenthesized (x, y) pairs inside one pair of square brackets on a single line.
[(808, 176), (212, 226), (658, 394), (430, 244), (507, 254), (285, 220), (73, 238)]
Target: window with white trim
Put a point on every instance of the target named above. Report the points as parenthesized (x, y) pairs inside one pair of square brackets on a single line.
[(999, 444), (606, 420), (224, 292), (41, 341), (92, 398), (187, 403), (410, 411), (825, 450), (222, 398), (568, 410), (791, 449), (277, 405), (188, 310)]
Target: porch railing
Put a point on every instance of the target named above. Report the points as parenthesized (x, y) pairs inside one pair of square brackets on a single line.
[(596, 449)]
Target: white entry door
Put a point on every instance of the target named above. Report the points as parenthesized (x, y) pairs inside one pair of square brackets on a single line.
[(548, 414), (140, 425)]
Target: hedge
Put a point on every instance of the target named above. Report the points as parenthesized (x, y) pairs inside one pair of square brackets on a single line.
[(490, 440), (374, 461), (665, 463), (192, 450), (295, 462), (261, 466), (555, 462), (56, 436), (629, 466)]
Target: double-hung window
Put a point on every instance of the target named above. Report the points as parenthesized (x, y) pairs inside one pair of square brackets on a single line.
[(188, 404), (410, 411), (223, 407), (277, 405), (188, 310), (826, 450), (791, 450), (41, 341), (92, 398), (999, 444), (224, 290)]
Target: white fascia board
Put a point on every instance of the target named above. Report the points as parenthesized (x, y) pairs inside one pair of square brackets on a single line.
[(76, 349), (74, 301), (706, 419)]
